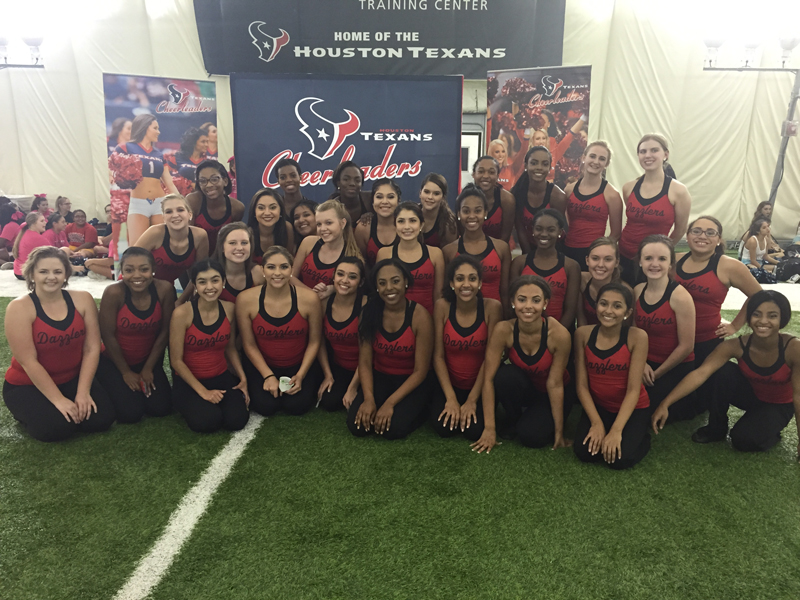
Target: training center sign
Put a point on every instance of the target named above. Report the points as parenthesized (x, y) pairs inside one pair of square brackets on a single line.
[(387, 37), (396, 127)]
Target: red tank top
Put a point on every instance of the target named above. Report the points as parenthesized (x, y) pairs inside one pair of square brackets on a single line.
[(528, 214), (374, 244), (230, 293), (465, 348), (170, 266), (608, 373), (492, 268), (536, 367), (314, 271), (771, 384), (587, 216), (645, 216), (281, 340), (423, 274), (661, 325), (556, 277), (493, 225), (137, 330), (342, 337), (431, 238), (394, 353), (59, 345), (589, 306), (708, 293), (212, 226), (204, 345)]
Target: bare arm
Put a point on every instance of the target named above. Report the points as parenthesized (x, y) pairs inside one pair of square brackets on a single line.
[(561, 347), (423, 330), (438, 271), (167, 297), (505, 268), (113, 298), (508, 204), (440, 314), (615, 205), (683, 305), (638, 344), (740, 278), (683, 206), (166, 178)]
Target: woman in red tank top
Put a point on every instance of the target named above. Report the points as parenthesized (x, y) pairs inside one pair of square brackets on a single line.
[(440, 223), (425, 263), (500, 209), (318, 254), (234, 252), (281, 328), (394, 358), (592, 203), (603, 264), (764, 383), (54, 338), (609, 366), (654, 203), (202, 344), (531, 388), (376, 229), (493, 254), (211, 205), (134, 324), (561, 272), (463, 321), (338, 356), (665, 312)]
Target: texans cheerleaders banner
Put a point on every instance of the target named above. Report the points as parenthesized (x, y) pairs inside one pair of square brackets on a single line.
[(397, 127), (393, 37), (538, 107)]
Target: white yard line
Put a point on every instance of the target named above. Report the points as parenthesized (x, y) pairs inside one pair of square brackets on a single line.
[(152, 568)]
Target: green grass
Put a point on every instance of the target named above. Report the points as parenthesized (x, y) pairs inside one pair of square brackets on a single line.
[(311, 512)]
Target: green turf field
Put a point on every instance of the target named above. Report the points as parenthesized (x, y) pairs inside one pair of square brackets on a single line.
[(310, 512)]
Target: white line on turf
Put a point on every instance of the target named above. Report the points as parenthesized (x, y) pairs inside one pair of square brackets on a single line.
[(152, 568)]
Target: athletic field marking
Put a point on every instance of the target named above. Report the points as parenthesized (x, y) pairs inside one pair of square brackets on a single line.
[(152, 568)]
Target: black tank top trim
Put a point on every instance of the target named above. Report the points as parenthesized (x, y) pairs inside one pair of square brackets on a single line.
[(391, 337), (66, 322), (637, 190), (315, 257), (603, 354), (545, 201), (527, 358), (276, 321), (373, 233), (248, 283), (542, 272), (339, 325), (466, 331), (486, 252), (765, 371), (712, 265), (209, 219), (584, 197), (496, 205), (649, 308), (148, 312), (587, 294), (177, 257), (197, 320), (416, 264)]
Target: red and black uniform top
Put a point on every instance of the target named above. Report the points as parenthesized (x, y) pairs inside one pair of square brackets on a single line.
[(314, 271), (492, 268), (281, 340), (394, 353), (589, 306), (493, 225), (230, 293), (431, 237), (204, 345), (211, 225), (465, 347), (423, 274), (645, 216), (661, 325), (708, 293), (137, 330), (170, 266), (556, 277), (373, 243), (528, 214), (342, 336), (59, 345), (587, 215), (537, 366), (771, 384), (608, 373)]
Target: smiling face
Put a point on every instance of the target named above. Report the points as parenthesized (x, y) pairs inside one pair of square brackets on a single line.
[(538, 166), (329, 226), (209, 284), (651, 155), (612, 309), (766, 320), (595, 160), (540, 138), (212, 184), (176, 214), (152, 133), (655, 261), (391, 285), (268, 211), (529, 303), (137, 273), (385, 201), (698, 239), (350, 182), (430, 196), (499, 152), (237, 248), (472, 213), (546, 231), (408, 225), (289, 179), (346, 279), (49, 275), (277, 271), (466, 283), (601, 262), (79, 218), (304, 221), (485, 175)]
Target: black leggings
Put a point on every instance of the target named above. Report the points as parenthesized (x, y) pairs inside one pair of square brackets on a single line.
[(473, 431), (684, 409), (635, 438), (409, 413), (527, 407), (759, 428), (297, 404), (203, 416), (704, 393), (44, 421), (131, 406), (332, 400)]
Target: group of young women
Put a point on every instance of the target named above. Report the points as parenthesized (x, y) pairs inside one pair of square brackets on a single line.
[(409, 313)]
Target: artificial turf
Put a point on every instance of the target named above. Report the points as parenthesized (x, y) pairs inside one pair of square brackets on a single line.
[(311, 512)]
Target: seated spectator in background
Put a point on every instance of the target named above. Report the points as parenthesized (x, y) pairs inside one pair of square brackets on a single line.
[(55, 233), (63, 206), (9, 229), (764, 210), (104, 234), (40, 205), (82, 237), (755, 254), (28, 238)]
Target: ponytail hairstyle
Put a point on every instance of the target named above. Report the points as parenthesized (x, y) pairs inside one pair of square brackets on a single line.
[(608, 241), (486, 157), (37, 201), (207, 264), (279, 235), (350, 246), (362, 270), (471, 190), (520, 189), (53, 219), (657, 238), (219, 251), (30, 221), (720, 249), (445, 219), (662, 141), (454, 265), (372, 314), (624, 291)]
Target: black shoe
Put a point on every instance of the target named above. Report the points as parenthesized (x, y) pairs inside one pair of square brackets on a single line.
[(707, 434)]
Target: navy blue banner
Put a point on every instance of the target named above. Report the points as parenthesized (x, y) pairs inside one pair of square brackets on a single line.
[(397, 127)]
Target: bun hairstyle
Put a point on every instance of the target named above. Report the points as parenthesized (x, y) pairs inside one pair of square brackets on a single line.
[(471, 190), (763, 296), (720, 249), (524, 280), (53, 219), (41, 253), (207, 264), (450, 274), (657, 238), (520, 189), (486, 157), (608, 241), (621, 289), (219, 168), (279, 234), (372, 313)]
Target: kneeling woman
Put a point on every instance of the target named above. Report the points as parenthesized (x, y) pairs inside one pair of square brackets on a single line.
[(202, 336), (609, 365), (134, 323), (54, 338), (394, 358), (531, 388), (464, 321), (281, 328), (765, 383)]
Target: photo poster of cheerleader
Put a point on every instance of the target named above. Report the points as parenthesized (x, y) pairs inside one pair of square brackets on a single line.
[(545, 106), (157, 131)]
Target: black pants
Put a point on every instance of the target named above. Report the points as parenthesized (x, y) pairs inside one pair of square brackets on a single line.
[(45, 422), (473, 431), (704, 393), (409, 413), (759, 428), (131, 406), (684, 409), (204, 417), (578, 255), (297, 404), (332, 400), (635, 438), (527, 407)]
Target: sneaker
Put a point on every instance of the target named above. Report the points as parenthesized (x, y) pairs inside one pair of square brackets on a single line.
[(707, 435), (7, 266), (794, 278)]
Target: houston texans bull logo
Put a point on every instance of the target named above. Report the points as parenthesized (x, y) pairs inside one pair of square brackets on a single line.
[(264, 42), (177, 95), (322, 128), (550, 86)]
